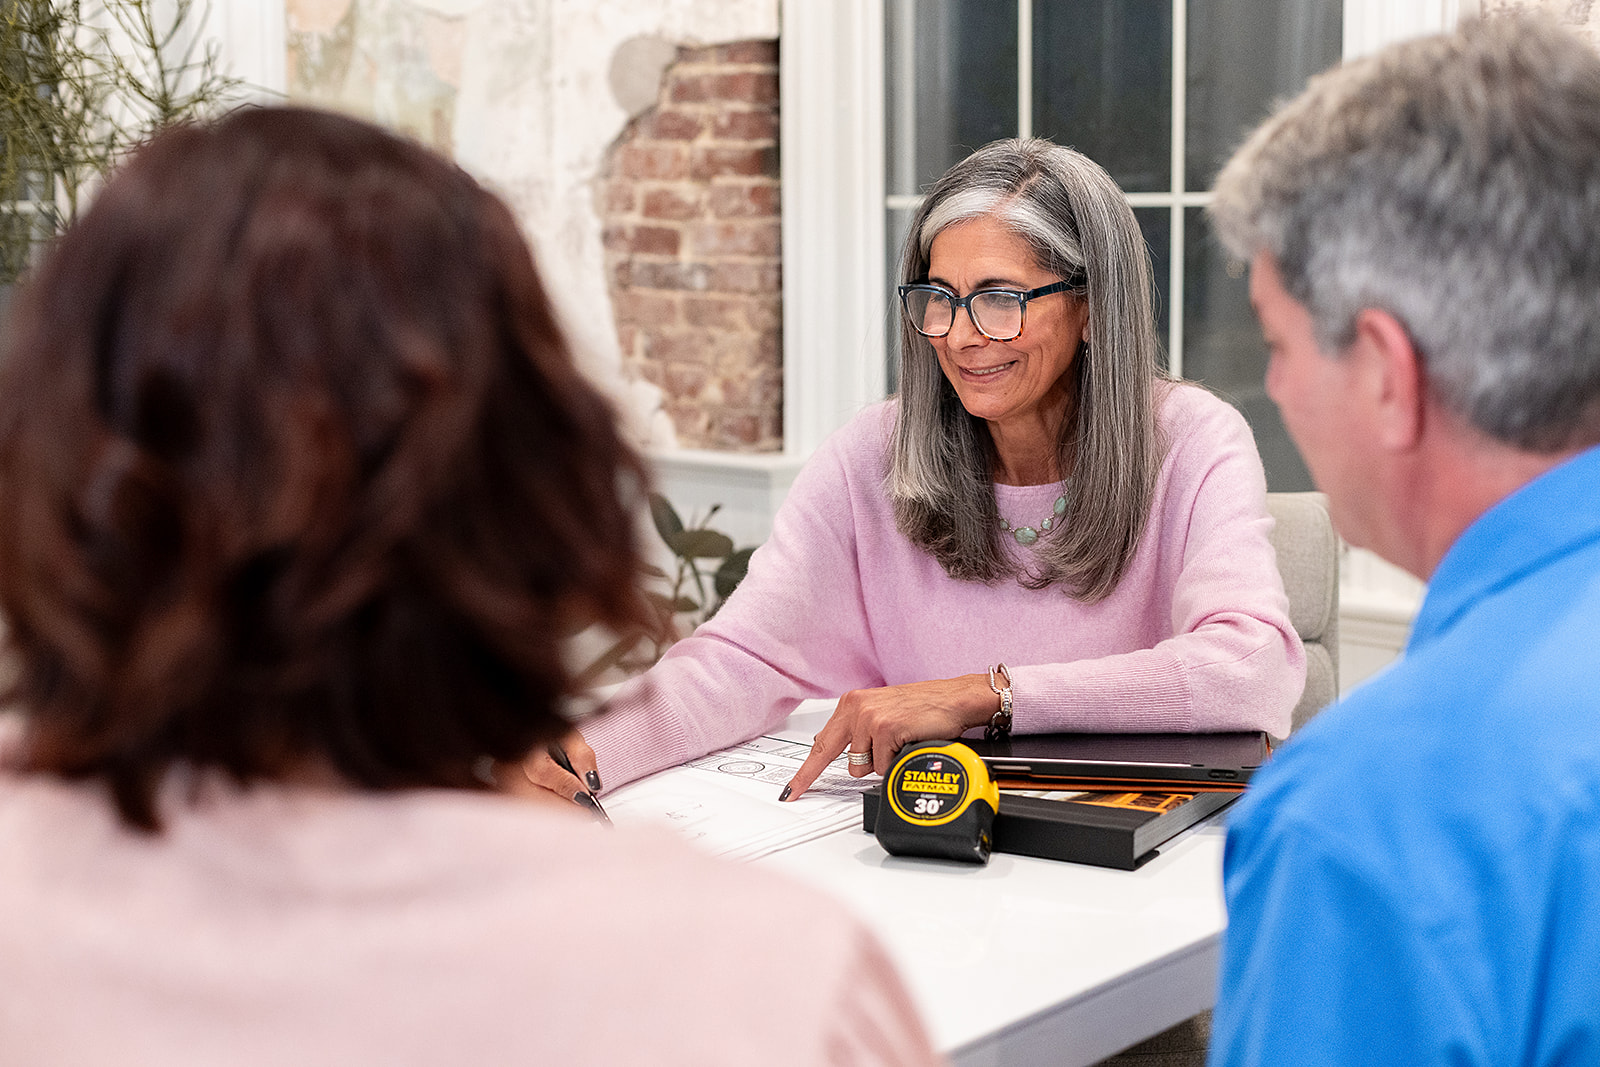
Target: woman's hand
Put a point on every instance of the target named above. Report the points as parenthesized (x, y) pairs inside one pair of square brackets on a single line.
[(541, 775), (881, 721)]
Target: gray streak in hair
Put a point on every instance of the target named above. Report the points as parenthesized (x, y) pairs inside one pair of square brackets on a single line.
[(1454, 182), (1079, 225)]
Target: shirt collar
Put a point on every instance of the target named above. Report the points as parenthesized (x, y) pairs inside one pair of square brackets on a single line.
[(1546, 518)]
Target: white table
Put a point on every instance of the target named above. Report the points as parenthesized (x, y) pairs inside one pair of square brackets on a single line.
[(1033, 961), (1027, 961)]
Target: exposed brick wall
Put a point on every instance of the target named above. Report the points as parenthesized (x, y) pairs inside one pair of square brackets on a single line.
[(689, 205)]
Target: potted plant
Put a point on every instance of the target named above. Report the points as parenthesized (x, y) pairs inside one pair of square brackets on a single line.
[(80, 86), (706, 568)]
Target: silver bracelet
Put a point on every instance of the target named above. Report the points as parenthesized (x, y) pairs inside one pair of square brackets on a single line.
[(1000, 722)]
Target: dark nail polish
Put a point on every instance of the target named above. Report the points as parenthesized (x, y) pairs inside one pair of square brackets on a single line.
[(785, 794), (592, 779), (580, 797)]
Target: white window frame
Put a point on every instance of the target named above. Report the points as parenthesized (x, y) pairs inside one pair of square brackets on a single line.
[(830, 79), (252, 38)]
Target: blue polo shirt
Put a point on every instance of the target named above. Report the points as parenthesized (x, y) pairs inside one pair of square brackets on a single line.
[(1415, 877)]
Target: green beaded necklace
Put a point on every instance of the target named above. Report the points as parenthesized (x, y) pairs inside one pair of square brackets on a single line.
[(1027, 535)]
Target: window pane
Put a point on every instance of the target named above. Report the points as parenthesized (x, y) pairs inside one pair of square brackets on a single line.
[(1243, 55), (962, 91), (1102, 83), (1156, 222), (1222, 347)]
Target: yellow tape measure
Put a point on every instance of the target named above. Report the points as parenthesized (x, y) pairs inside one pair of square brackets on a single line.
[(938, 801)]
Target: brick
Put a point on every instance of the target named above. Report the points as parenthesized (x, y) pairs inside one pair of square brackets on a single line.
[(692, 424), (752, 51), (744, 125), (709, 239), (738, 200), (655, 240), (711, 86), (639, 307), (619, 197), (641, 240), (686, 380), (763, 314), (757, 276), (715, 312), (745, 86), (715, 161), (653, 159), (690, 55), (669, 274), (652, 373), (671, 124), (741, 392), (682, 201), (685, 347), (769, 395), (684, 87), (741, 430), (627, 341), (769, 349)]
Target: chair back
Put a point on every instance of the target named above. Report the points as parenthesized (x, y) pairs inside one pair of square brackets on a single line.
[(1308, 559)]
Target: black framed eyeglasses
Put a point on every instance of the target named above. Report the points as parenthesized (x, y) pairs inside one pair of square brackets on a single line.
[(998, 314)]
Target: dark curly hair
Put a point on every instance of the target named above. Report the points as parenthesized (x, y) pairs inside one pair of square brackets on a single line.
[(296, 469)]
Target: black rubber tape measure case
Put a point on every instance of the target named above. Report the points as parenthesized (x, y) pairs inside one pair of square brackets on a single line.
[(939, 801)]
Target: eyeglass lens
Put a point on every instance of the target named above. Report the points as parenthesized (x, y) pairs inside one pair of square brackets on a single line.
[(997, 315)]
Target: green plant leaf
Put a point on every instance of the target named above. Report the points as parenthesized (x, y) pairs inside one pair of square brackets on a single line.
[(665, 605), (612, 657), (732, 572), (702, 544), (665, 516)]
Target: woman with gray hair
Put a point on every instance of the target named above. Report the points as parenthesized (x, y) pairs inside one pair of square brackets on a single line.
[(1041, 529)]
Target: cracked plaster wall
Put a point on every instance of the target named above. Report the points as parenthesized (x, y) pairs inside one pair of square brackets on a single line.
[(527, 95)]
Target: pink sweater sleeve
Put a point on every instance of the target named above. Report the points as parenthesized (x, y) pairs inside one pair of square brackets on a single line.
[(794, 629), (1232, 660)]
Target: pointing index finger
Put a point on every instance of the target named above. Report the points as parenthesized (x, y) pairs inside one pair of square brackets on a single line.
[(823, 752)]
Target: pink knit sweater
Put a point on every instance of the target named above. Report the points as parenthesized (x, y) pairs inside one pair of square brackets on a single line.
[(293, 925), (1195, 637)]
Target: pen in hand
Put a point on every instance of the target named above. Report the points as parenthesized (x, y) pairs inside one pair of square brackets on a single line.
[(584, 797)]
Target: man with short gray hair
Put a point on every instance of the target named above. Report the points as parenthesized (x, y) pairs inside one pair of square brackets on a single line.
[(1415, 878)]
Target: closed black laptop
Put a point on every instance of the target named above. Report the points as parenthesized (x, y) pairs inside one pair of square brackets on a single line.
[(1153, 762)]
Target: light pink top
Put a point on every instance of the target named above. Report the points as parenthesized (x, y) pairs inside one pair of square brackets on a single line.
[(1196, 637), (306, 927)]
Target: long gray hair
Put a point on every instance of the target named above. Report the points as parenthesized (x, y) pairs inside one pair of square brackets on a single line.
[(1453, 182), (1079, 226)]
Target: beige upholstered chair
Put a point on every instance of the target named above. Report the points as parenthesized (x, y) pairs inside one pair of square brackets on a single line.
[(1308, 558)]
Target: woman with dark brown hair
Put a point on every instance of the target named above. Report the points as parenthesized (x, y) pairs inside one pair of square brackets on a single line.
[(299, 491)]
